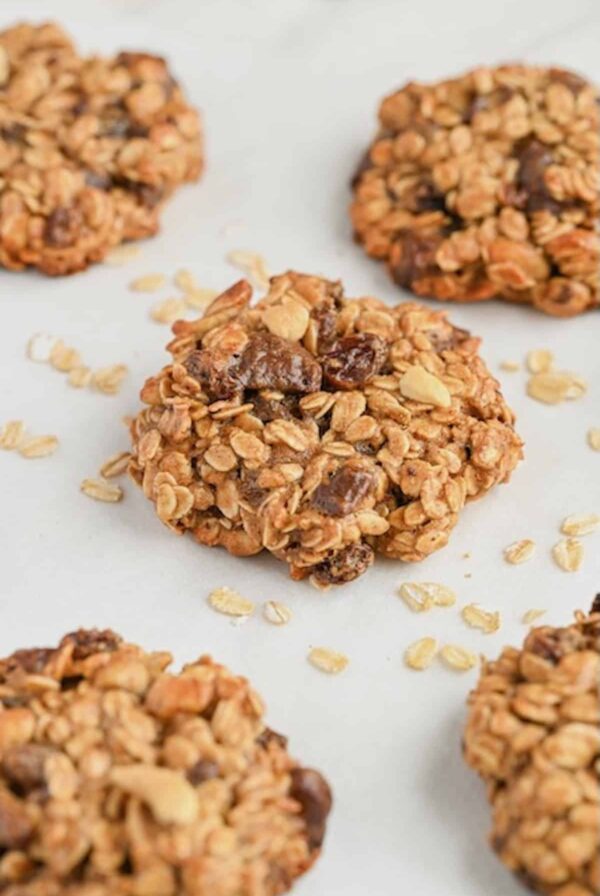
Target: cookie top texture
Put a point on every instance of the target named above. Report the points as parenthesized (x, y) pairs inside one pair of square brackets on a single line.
[(118, 778), (321, 428), (533, 734), (90, 148), (487, 185)]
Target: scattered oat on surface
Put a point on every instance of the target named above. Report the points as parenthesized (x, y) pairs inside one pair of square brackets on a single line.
[(532, 615), (168, 311), (420, 654), (520, 551), (231, 603), (568, 554), (458, 658), (100, 490), (185, 281), (63, 357), (593, 439), (252, 264), (38, 446), (510, 366), (580, 524), (80, 377), (148, 283), (109, 380), (554, 387), (122, 254), (276, 613), (327, 660), (12, 434), (174, 775), (422, 596), (487, 621), (540, 360), (40, 346), (115, 465)]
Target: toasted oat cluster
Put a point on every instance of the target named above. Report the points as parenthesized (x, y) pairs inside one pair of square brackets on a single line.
[(488, 186), (533, 734), (118, 778), (90, 149), (320, 428)]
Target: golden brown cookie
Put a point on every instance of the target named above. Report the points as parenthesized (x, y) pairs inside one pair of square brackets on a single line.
[(487, 186), (90, 149), (120, 778), (533, 734), (320, 428)]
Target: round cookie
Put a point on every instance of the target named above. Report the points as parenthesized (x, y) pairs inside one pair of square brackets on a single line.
[(487, 186), (321, 428), (533, 734), (90, 149), (118, 778)]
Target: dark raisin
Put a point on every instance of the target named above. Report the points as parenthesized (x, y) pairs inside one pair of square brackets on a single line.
[(414, 257), (534, 159), (89, 641), (312, 791), (267, 409), (424, 198), (202, 771), (447, 337), (12, 133), (16, 827), (343, 492), (216, 371), (32, 661), (24, 765), (344, 566), (354, 360), (268, 736), (325, 319), (99, 181), (250, 492), (62, 227), (269, 362)]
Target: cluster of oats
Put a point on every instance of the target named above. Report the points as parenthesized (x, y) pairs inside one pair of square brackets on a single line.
[(90, 149), (14, 437), (420, 655), (46, 349), (551, 386), (487, 185), (320, 428), (533, 734), (118, 777), (167, 311)]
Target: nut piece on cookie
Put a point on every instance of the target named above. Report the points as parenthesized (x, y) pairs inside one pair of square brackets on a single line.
[(366, 431), (90, 149), (533, 735), (120, 777), (486, 186)]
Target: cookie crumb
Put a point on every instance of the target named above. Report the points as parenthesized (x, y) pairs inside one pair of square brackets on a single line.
[(568, 554), (102, 491), (229, 602), (520, 551), (327, 660), (420, 654), (276, 613)]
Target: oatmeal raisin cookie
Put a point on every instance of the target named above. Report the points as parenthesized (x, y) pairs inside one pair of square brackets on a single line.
[(321, 428), (90, 149), (533, 734), (119, 778), (488, 185)]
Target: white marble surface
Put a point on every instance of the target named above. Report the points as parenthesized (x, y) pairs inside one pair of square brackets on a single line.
[(289, 91)]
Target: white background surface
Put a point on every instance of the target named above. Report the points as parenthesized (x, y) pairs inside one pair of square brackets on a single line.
[(289, 91)]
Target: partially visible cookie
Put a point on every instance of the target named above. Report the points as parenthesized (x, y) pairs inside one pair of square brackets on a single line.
[(320, 428), (119, 778), (533, 734), (90, 149), (485, 186)]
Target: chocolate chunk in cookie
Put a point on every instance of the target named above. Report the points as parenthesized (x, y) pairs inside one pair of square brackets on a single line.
[(118, 776), (486, 186), (364, 430)]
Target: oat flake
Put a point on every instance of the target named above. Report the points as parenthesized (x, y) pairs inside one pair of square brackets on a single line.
[(39, 348), (38, 446), (327, 660), (148, 283), (276, 613), (532, 615), (593, 438), (458, 658), (520, 551), (420, 654), (568, 554), (485, 620), (226, 600), (101, 491), (580, 524)]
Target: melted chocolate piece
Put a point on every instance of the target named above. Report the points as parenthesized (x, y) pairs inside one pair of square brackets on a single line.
[(343, 493)]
